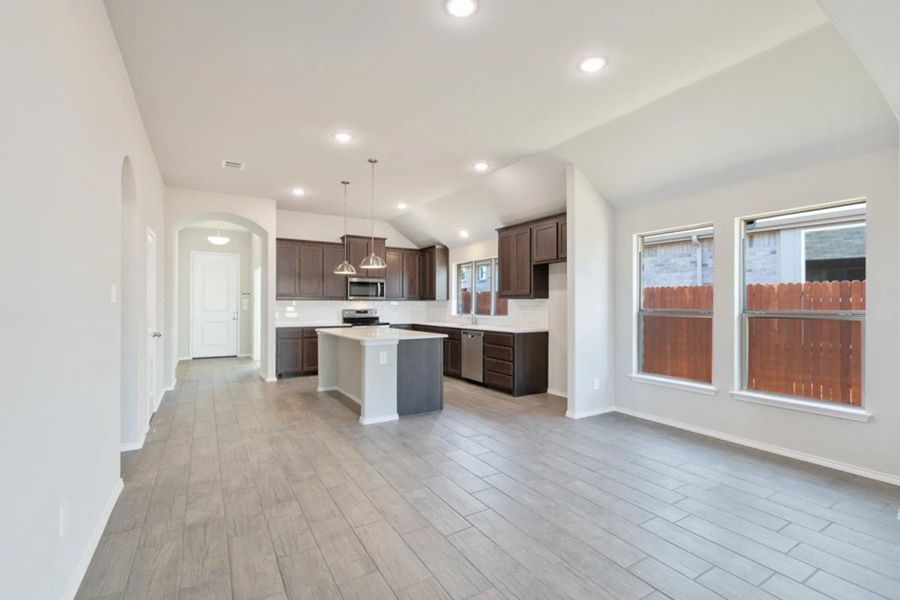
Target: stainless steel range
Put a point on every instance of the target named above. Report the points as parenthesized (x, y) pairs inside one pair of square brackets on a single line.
[(359, 317)]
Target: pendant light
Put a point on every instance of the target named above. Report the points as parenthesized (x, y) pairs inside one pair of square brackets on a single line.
[(345, 268), (373, 261), (218, 239)]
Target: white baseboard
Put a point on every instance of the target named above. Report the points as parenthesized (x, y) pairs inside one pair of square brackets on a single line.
[(181, 358), (553, 392), (327, 388), (374, 420), (244, 355), (582, 414), (129, 446), (741, 441), (86, 556), (172, 385)]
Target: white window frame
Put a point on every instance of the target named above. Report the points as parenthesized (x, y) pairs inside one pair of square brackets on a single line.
[(495, 267), (845, 213), (702, 230)]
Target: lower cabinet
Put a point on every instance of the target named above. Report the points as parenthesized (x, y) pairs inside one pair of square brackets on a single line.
[(296, 351), (452, 357)]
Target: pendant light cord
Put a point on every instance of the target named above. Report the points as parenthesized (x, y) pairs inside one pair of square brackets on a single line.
[(346, 205), (373, 162)]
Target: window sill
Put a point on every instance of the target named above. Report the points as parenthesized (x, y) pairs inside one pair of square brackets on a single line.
[(809, 406), (675, 384)]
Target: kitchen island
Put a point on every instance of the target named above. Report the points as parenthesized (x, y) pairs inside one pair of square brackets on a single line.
[(389, 372)]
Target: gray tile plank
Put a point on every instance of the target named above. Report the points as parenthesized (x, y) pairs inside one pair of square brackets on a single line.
[(395, 560), (457, 576), (306, 576), (254, 568), (670, 582)]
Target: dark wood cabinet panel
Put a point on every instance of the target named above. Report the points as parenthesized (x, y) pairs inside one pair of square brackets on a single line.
[(310, 357), (357, 249), (452, 357), (562, 252), (288, 353), (311, 270), (411, 274), (334, 286), (515, 262), (435, 273), (545, 241), (287, 269), (393, 274)]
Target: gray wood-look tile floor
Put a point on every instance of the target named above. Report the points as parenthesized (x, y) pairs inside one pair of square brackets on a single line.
[(249, 490)]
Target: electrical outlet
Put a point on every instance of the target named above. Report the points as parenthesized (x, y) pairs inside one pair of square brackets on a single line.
[(382, 358), (596, 383)]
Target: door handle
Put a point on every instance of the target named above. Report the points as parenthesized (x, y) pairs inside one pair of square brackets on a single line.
[(157, 334)]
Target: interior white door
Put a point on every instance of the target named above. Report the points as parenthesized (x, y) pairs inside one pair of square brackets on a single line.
[(214, 304), (153, 333)]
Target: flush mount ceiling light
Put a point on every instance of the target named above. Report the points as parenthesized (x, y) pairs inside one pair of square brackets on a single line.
[(343, 137), (373, 261), (345, 268), (298, 191), (401, 205), (463, 233), (218, 239), (461, 8), (592, 64), (480, 166)]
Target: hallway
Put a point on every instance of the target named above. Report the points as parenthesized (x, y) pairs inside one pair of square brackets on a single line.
[(252, 490)]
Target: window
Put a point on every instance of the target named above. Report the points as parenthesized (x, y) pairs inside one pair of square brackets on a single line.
[(476, 288), (675, 305), (804, 301)]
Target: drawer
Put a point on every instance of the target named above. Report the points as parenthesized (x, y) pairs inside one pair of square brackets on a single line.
[(498, 352), (309, 332), (499, 381), (498, 366), (498, 339), (288, 332)]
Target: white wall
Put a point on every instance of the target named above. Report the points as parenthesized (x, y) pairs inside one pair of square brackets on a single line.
[(68, 118), (298, 225), (590, 297), (558, 327), (872, 445), (193, 239)]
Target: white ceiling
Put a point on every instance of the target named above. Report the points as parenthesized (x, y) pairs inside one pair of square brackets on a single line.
[(267, 82)]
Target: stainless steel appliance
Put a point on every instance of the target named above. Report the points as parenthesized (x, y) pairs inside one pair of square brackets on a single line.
[(365, 288), (473, 355), (359, 317)]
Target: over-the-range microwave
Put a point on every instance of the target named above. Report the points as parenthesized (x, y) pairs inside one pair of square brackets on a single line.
[(365, 288)]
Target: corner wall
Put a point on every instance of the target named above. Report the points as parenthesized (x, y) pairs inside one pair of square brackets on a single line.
[(69, 119), (867, 448), (590, 298)]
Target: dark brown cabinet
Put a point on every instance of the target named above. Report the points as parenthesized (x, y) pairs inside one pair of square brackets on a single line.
[(434, 283), (563, 242), (359, 247), (452, 357), (287, 269), (305, 271), (517, 276), (545, 241), (402, 274), (334, 286), (296, 351)]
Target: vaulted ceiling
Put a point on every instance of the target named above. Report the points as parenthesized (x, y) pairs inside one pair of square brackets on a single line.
[(694, 89)]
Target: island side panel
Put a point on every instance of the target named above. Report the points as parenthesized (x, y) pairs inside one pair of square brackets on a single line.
[(420, 376), (350, 355), (327, 362), (379, 383)]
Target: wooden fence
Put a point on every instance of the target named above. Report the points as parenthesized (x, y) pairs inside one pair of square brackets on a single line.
[(814, 358)]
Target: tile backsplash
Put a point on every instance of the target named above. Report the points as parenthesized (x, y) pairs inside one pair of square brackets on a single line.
[(526, 313)]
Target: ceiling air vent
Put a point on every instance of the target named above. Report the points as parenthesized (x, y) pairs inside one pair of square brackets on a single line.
[(233, 164)]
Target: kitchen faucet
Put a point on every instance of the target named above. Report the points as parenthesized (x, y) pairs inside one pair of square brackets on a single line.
[(474, 319)]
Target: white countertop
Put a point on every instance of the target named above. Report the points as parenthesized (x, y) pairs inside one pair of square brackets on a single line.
[(480, 327), (370, 336)]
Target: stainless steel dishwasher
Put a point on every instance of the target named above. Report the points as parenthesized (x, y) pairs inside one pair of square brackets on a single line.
[(473, 355)]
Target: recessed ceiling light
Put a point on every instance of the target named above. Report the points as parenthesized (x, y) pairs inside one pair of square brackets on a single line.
[(481, 166), (401, 205), (461, 8), (298, 191), (592, 64), (343, 137), (463, 233)]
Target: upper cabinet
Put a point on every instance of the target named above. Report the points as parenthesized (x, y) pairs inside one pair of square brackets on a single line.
[(524, 251), (402, 274), (305, 270), (434, 283)]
